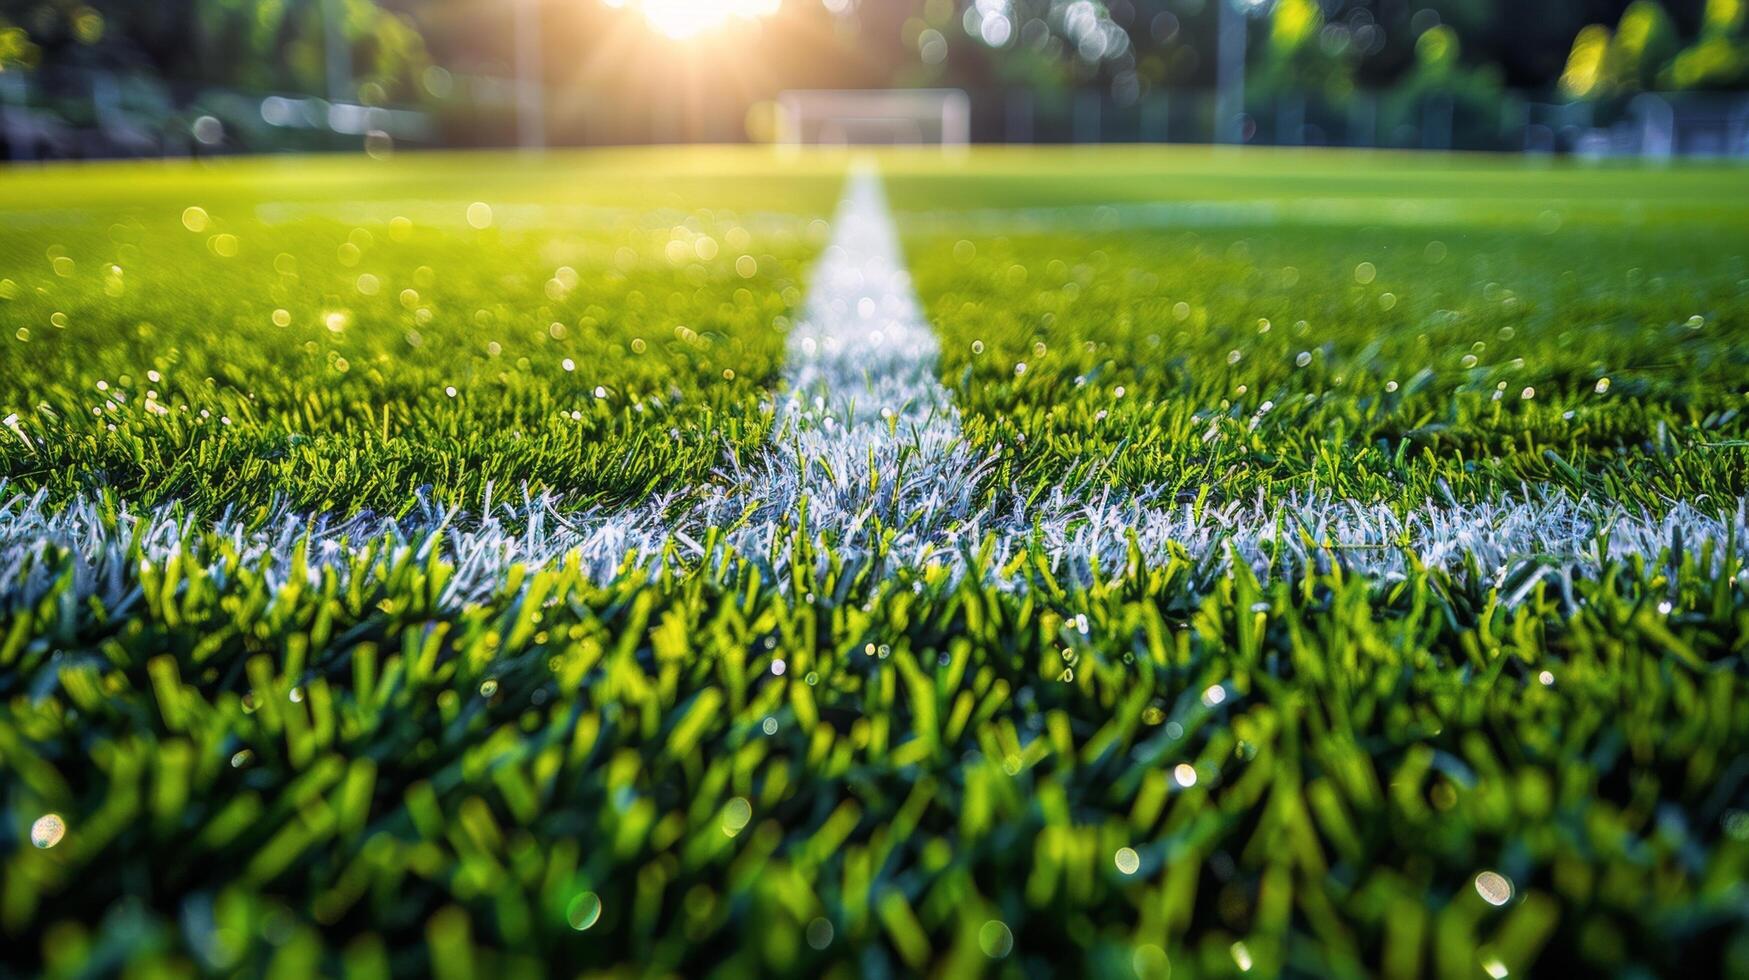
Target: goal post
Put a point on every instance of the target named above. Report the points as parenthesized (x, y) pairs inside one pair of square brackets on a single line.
[(858, 117)]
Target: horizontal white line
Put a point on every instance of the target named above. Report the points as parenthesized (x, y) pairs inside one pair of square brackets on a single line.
[(869, 461), (913, 526)]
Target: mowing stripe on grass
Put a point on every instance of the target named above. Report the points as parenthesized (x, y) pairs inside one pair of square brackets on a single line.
[(868, 461)]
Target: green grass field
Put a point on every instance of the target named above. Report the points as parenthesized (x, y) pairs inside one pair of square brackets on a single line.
[(1328, 565)]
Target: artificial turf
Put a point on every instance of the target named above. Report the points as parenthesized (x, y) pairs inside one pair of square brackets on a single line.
[(1392, 330), (783, 764), (344, 337)]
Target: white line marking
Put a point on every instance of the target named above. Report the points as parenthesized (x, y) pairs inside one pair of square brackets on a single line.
[(868, 458)]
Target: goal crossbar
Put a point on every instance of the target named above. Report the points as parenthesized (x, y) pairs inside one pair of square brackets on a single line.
[(851, 117)]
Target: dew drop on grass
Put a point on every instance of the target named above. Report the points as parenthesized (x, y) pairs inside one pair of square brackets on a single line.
[(1150, 962), (1184, 774), (819, 934), (1127, 860), (995, 939), (1494, 887), (195, 219), (1602, 386), (48, 830), (736, 815), (583, 911), (1365, 273)]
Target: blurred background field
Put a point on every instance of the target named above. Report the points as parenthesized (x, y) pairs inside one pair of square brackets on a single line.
[(1593, 77)]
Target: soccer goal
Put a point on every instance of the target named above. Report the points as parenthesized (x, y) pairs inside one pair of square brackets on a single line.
[(903, 117)]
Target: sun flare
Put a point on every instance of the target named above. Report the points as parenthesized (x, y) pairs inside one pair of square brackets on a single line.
[(683, 19)]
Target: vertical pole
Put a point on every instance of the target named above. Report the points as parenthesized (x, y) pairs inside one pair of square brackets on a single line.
[(956, 122), (1019, 117), (1290, 120), (531, 123), (1156, 124), (338, 51), (14, 119), (1087, 124), (1363, 121), (1230, 74)]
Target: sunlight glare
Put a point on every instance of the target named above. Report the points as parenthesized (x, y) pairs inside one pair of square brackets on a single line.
[(683, 19)]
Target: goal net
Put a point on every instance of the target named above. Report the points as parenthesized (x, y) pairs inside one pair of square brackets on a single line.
[(902, 117)]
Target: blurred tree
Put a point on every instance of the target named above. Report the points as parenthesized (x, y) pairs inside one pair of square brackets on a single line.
[(1719, 58), (1605, 65), (1644, 43), (1584, 75), (252, 44), (16, 49), (1296, 61), (1440, 86)]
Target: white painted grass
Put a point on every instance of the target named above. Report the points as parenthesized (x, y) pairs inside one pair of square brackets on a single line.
[(1079, 539), (868, 460)]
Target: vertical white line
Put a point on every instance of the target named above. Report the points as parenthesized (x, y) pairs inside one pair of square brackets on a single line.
[(868, 446), (866, 430)]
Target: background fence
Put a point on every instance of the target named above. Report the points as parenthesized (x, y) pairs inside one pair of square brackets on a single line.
[(98, 114)]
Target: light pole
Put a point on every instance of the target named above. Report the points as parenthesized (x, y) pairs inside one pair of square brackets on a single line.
[(1230, 43), (339, 51), (531, 123)]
